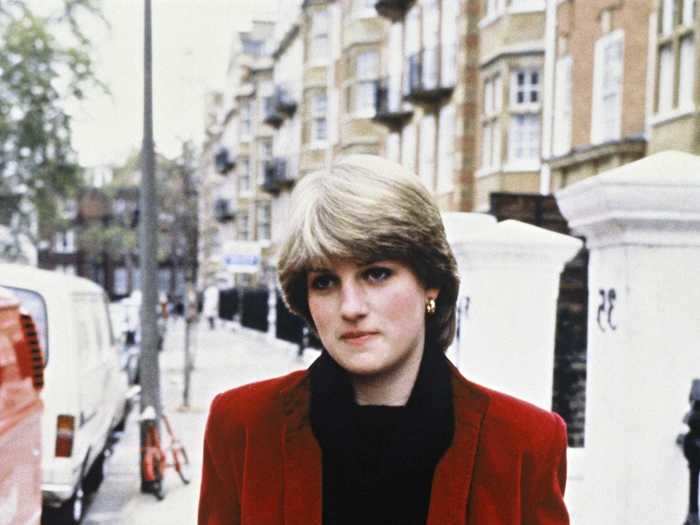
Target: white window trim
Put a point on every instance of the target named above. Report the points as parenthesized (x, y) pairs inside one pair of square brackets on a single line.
[(689, 83), (563, 109), (533, 164), (596, 114), (524, 107), (533, 6)]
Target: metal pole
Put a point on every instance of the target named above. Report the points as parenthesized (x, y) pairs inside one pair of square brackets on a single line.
[(191, 269), (148, 239)]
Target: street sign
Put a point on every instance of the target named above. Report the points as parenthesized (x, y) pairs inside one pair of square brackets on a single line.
[(242, 256)]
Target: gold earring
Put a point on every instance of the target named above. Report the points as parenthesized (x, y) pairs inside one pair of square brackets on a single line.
[(430, 306)]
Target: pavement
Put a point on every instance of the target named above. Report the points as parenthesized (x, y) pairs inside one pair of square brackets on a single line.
[(224, 358)]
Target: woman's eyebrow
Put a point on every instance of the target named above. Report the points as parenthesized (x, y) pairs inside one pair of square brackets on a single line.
[(318, 270)]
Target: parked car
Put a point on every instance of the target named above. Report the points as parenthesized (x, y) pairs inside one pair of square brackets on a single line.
[(21, 380), (129, 351), (86, 393)]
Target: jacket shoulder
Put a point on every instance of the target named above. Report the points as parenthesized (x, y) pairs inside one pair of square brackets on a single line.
[(244, 405), (515, 419)]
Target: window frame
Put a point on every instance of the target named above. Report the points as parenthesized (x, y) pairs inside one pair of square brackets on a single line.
[(601, 115)]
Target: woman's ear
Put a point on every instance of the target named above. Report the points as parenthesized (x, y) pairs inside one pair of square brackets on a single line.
[(432, 293)]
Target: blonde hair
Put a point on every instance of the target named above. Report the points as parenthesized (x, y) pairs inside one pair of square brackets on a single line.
[(366, 208)]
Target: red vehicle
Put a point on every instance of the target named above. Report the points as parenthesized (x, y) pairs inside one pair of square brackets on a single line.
[(21, 379)]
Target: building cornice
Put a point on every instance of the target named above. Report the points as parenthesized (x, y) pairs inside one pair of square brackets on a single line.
[(590, 152), (519, 50)]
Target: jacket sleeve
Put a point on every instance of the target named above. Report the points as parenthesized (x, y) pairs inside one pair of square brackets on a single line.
[(219, 503), (546, 502)]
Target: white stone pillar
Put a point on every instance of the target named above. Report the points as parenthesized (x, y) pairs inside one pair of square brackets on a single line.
[(457, 226), (642, 227), (510, 283)]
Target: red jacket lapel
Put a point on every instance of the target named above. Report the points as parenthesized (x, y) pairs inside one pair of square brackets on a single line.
[(302, 459), (453, 475)]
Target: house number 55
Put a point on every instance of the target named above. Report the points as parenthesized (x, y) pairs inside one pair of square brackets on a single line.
[(606, 309)]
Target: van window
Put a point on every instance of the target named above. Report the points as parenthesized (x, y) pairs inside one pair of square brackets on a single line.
[(35, 306)]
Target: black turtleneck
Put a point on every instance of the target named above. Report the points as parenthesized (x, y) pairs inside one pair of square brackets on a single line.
[(378, 461)]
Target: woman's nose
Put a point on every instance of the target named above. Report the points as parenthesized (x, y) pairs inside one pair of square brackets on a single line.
[(353, 304)]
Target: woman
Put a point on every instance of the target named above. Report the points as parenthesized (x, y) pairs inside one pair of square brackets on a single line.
[(381, 428)]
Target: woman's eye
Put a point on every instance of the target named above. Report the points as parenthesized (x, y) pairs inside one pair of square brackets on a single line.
[(321, 282), (377, 274)]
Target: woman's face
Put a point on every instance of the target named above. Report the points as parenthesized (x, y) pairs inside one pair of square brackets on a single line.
[(370, 318)]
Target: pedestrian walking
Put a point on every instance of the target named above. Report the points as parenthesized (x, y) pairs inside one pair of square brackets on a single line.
[(210, 307), (381, 429)]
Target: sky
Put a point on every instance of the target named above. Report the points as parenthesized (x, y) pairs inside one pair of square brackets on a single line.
[(191, 43)]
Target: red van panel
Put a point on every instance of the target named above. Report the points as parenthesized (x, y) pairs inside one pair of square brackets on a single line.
[(20, 417)]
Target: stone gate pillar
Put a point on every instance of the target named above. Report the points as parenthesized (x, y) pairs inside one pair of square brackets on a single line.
[(642, 227), (510, 284)]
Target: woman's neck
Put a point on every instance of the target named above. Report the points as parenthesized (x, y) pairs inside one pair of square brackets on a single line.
[(392, 387)]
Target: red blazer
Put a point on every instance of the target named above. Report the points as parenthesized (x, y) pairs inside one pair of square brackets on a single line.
[(262, 464)]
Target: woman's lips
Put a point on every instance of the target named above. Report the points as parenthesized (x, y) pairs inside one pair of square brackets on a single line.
[(357, 338)]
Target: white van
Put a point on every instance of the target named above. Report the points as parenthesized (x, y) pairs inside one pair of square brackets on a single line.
[(85, 391)]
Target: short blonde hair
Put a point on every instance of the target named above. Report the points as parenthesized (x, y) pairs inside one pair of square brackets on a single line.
[(366, 208)]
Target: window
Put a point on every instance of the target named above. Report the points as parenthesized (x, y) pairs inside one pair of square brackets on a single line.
[(366, 71), (243, 226), (686, 75), (245, 120), (490, 145), (562, 107), (263, 221), (244, 176), (493, 8), (607, 88), (429, 63), (492, 96), (319, 132), (35, 306), (524, 138), (319, 46), (427, 151), (450, 39), (688, 12), (64, 242), (264, 154), (408, 148), (490, 127), (525, 88), (667, 16), (446, 142)]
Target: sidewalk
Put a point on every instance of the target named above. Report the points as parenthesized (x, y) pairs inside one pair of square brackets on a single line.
[(223, 359)]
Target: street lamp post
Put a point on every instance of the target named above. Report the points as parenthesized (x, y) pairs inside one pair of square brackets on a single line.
[(148, 239)]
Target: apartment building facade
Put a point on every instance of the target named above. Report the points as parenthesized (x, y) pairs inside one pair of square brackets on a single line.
[(478, 97), (423, 97)]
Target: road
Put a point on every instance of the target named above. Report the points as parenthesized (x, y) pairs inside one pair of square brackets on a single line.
[(224, 358)]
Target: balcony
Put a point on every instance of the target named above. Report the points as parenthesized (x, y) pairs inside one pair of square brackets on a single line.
[(389, 108), (276, 176), (278, 107), (223, 210), (393, 9), (224, 161), (426, 80)]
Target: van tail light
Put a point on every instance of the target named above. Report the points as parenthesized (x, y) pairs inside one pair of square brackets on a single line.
[(32, 356), (65, 430)]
